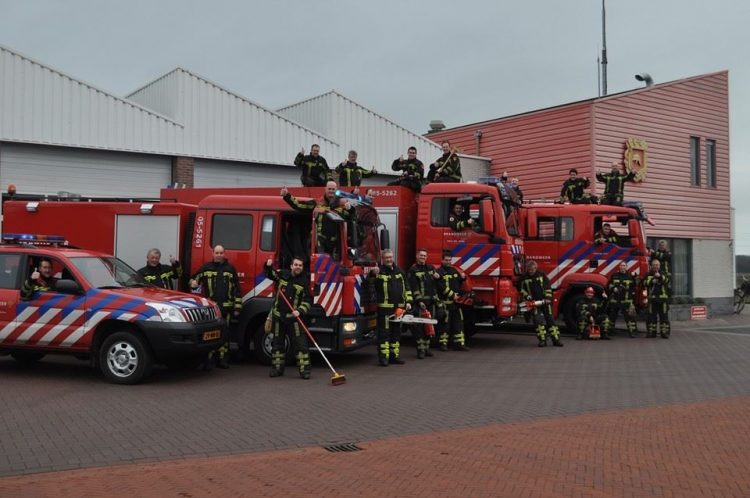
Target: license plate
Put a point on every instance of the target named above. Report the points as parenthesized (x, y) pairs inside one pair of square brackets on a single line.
[(371, 324), (211, 335)]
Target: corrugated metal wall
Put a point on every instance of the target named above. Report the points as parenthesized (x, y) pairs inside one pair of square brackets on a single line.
[(44, 106), (377, 140), (222, 125), (538, 148), (666, 117)]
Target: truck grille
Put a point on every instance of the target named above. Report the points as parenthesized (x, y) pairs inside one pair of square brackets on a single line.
[(197, 315)]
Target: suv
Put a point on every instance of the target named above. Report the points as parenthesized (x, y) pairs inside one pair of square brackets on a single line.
[(98, 308)]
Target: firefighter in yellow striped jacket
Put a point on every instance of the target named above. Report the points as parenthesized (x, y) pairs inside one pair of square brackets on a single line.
[(392, 291), (294, 283), (657, 285), (219, 282), (534, 286), (158, 274), (451, 325)]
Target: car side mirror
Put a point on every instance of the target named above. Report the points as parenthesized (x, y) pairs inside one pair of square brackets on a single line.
[(66, 286)]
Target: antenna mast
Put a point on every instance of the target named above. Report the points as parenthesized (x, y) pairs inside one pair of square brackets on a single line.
[(604, 50)]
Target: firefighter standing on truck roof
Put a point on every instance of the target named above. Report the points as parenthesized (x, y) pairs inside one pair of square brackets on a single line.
[(451, 327), (350, 173), (614, 185), (327, 230), (412, 170), (621, 294), (158, 274), (587, 313), (315, 170), (294, 284), (447, 168), (657, 286), (535, 286), (40, 280), (392, 291), (422, 279), (219, 282)]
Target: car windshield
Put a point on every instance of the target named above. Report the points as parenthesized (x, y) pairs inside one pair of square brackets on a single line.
[(107, 272)]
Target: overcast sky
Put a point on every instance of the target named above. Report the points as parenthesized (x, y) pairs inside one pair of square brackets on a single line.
[(459, 61)]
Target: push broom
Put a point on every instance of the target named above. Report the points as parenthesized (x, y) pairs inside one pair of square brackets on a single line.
[(336, 378)]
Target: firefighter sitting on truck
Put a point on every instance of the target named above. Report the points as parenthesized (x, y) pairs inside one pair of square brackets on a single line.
[(350, 173), (412, 170), (219, 282), (621, 294), (534, 287), (315, 170), (587, 314), (295, 284), (451, 327), (41, 280), (458, 220), (573, 189), (327, 230), (606, 235), (392, 291), (158, 274), (423, 283), (446, 168)]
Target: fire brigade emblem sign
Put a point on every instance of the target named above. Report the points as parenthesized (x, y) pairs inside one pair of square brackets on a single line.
[(635, 158)]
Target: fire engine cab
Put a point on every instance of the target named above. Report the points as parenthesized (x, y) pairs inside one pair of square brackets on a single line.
[(96, 307)]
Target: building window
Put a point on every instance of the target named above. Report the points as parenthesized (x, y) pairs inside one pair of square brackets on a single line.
[(711, 163), (695, 161), (681, 275)]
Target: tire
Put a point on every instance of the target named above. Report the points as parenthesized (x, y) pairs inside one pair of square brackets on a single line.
[(124, 358), (739, 301), (262, 343), (569, 312), (27, 357)]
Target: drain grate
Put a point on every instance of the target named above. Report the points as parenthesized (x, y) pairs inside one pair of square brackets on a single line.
[(342, 448)]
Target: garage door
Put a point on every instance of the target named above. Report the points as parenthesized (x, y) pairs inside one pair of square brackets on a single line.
[(209, 173), (37, 169)]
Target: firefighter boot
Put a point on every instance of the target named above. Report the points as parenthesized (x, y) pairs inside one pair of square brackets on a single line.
[(555, 333), (651, 330), (277, 364), (459, 342), (428, 352), (664, 330), (395, 357), (444, 341), (303, 363), (581, 329), (541, 333), (222, 356), (208, 362), (383, 352)]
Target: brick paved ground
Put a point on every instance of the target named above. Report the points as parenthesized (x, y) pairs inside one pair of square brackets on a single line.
[(698, 449), (58, 415)]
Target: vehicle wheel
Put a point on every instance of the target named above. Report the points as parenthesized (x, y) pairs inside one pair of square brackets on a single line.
[(263, 344), (124, 358), (27, 356), (739, 301), (569, 312)]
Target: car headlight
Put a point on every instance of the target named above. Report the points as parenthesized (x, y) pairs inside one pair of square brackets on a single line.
[(167, 313), (350, 326)]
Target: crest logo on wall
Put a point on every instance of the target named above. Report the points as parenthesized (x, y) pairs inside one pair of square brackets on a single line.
[(636, 158)]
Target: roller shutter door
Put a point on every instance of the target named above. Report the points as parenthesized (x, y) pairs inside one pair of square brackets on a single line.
[(208, 173), (37, 169)]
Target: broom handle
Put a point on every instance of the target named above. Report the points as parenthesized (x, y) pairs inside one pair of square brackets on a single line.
[(304, 327)]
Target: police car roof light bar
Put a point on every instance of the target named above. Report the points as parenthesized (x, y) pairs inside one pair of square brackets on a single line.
[(31, 238)]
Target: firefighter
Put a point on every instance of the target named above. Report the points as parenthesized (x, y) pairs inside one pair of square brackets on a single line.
[(614, 185), (40, 280), (315, 170), (327, 230), (621, 294), (657, 286), (392, 291), (663, 255), (295, 285), (573, 189), (423, 280), (412, 170), (447, 168), (160, 275), (587, 313), (535, 286), (516, 187), (451, 327), (219, 282), (350, 173), (458, 221), (606, 235)]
